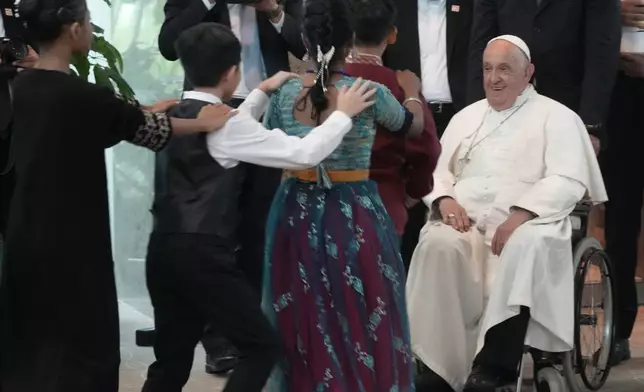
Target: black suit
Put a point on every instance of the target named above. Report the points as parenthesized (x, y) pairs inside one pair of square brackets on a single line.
[(625, 184), (183, 14), (574, 44), (405, 54)]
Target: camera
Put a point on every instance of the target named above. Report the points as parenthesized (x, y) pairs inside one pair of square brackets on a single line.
[(12, 50)]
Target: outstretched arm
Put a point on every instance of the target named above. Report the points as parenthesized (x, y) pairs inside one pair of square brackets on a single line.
[(244, 139)]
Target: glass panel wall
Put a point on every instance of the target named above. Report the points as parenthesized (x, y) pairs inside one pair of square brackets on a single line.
[(133, 27)]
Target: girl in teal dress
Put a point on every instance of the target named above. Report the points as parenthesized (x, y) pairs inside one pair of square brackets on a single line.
[(334, 282)]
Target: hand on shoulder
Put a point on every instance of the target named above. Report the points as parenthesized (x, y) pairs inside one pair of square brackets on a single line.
[(276, 81), (353, 100), (213, 117), (409, 82)]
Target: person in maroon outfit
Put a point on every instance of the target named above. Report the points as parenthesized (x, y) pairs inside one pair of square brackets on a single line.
[(402, 167)]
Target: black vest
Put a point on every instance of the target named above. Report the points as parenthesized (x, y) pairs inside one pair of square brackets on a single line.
[(193, 193)]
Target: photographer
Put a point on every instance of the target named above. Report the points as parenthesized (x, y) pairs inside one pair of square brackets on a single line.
[(15, 54)]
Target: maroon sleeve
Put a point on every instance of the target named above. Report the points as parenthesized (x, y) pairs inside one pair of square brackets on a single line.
[(420, 160)]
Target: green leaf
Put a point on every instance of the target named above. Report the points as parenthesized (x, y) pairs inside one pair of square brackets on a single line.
[(97, 29), (102, 77), (123, 87), (113, 54), (81, 63), (109, 52)]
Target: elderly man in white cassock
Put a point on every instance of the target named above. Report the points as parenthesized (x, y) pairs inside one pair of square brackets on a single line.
[(493, 269)]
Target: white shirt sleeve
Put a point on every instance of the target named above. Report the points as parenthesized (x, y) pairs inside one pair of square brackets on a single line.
[(279, 24), (255, 104), (208, 4), (246, 140)]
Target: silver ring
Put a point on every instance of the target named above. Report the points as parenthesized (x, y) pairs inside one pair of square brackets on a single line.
[(451, 216)]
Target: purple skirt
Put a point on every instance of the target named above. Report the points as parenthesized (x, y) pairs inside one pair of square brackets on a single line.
[(334, 287)]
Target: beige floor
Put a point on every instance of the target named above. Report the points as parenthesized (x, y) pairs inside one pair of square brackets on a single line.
[(626, 378)]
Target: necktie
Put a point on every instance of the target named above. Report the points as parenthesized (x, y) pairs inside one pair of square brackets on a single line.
[(252, 61)]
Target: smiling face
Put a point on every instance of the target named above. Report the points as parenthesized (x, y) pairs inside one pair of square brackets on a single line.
[(506, 73)]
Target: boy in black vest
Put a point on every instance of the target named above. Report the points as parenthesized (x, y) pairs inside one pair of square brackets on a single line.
[(192, 275)]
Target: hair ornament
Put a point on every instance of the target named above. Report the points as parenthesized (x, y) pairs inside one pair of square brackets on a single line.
[(323, 60)]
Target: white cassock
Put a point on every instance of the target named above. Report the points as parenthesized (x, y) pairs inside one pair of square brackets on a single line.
[(540, 159)]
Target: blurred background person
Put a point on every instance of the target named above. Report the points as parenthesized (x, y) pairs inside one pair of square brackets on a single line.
[(625, 138), (15, 53), (433, 42), (13, 46), (268, 30), (574, 44)]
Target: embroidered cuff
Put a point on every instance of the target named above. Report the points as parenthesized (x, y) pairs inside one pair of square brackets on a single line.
[(155, 132)]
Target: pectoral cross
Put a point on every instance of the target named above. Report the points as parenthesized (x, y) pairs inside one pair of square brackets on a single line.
[(460, 165)]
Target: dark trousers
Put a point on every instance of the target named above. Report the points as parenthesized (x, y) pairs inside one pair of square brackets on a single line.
[(257, 195), (417, 215), (194, 281), (503, 349), (622, 166)]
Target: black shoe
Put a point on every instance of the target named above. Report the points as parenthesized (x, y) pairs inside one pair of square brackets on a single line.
[(221, 363), (621, 352), (483, 380), (428, 381)]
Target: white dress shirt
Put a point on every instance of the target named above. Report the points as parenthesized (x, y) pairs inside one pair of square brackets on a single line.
[(432, 31), (246, 32), (244, 139)]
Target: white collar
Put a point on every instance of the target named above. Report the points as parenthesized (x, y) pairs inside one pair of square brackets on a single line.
[(201, 96)]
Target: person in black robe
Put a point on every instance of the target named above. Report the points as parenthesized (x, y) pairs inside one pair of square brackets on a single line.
[(58, 294)]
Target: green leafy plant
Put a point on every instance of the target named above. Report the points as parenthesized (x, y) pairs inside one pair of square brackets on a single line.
[(103, 64)]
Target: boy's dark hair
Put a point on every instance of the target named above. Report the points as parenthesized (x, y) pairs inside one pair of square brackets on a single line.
[(206, 52), (373, 21)]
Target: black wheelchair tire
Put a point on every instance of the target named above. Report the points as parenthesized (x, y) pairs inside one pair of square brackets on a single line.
[(586, 250)]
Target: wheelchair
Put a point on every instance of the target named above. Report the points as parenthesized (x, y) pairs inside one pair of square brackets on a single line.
[(587, 366), (584, 368)]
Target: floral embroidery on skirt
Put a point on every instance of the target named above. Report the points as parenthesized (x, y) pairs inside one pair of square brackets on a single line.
[(334, 287)]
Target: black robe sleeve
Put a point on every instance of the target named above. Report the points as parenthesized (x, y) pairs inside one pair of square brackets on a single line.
[(126, 121)]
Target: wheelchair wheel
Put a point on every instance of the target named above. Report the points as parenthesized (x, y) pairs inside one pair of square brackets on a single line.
[(587, 366), (550, 380)]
